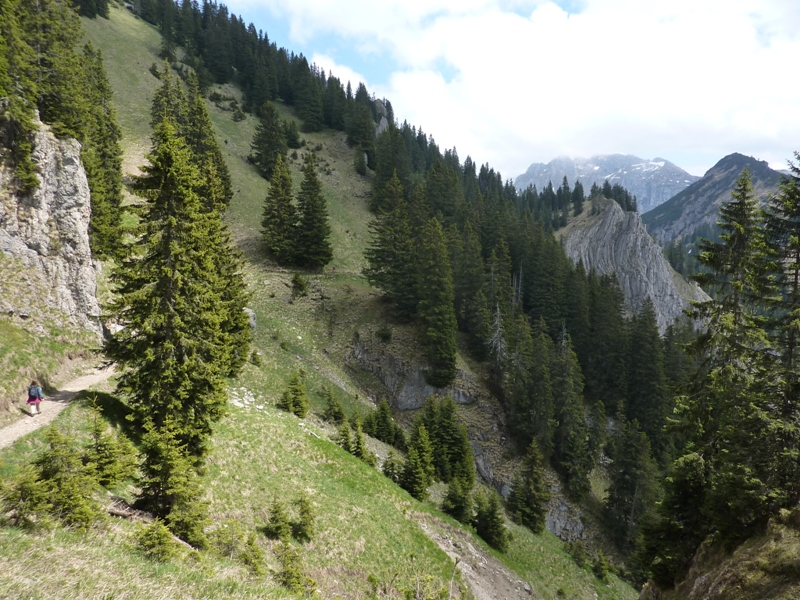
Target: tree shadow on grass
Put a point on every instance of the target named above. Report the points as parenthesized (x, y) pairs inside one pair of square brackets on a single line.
[(114, 410)]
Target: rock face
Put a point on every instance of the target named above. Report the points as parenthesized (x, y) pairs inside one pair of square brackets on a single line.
[(46, 266), (405, 381), (653, 182), (699, 203), (615, 241)]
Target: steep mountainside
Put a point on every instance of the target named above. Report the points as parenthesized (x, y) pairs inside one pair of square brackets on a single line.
[(615, 241), (699, 203), (653, 182)]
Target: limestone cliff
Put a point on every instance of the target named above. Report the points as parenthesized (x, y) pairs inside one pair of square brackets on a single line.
[(615, 241), (47, 275)]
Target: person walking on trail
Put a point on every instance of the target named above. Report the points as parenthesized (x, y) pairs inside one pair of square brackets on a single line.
[(35, 398)]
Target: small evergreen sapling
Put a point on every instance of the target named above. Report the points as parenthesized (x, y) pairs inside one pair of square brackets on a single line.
[(279, 526), (156, 543), (489, 521), (458, 501), (294, 399), (303, 529), (333, 411)]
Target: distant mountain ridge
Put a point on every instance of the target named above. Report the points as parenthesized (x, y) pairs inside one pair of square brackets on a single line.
[(699, 203), (653, 182)]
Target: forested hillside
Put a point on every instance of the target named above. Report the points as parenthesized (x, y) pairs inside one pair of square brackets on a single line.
[(258, 430)]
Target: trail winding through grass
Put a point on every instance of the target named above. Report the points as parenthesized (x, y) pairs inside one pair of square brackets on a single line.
[(52, 405)]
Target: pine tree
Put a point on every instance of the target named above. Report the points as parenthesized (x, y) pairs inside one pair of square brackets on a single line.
[(278, 526), (421, 444), (435, 309), (392, 467), (312, 248), (343, 437), (414, 478), (172, 347), (279, 220), (269, 141)]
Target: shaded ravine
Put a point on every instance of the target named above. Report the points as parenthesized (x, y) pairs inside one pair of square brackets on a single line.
[(53, 405)]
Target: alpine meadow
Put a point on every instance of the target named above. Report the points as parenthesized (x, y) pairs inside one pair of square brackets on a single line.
[(331, 359)]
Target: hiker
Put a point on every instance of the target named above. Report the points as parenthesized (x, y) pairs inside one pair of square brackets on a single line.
[(35, 397)]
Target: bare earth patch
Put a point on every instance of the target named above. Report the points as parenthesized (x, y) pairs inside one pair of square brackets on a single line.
[(487, 578), (53, 405)]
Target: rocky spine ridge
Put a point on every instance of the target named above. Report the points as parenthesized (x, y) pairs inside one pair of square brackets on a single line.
[(615, 241)]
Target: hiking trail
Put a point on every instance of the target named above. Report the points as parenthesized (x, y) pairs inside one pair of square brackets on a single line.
[(52, 405)]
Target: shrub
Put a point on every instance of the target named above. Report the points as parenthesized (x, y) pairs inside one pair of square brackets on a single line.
[(156, 542), (113, 458), (294, 399), (299, 286), (25, 499), (600, 566), (578, 552), (252, 556), (291, 574), (226, 540), (70, 484)]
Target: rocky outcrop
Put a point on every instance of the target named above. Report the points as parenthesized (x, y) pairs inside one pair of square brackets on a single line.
[(615, 241), (46, 266), (405, 380), (653, 182)]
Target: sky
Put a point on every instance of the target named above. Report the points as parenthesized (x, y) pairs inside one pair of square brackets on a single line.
[(512, 82)]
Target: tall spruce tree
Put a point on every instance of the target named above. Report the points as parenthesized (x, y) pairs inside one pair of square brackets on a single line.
[(435, 309), (279, 220), (172, 347), (269, 141), (101, 154), (312, 247), (633, 491)]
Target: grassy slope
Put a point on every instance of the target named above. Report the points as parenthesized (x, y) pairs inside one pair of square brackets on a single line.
[(364, 524)]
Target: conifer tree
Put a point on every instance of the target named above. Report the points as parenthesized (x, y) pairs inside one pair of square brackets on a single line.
[(312, 248), (216, 189), (171, 347), (280, 216), (633, 491), (489, 521), (530, 494), (101, 154), (458, 501), (333, 411), (414, 478), (647, 400), (390, 258), (421, 444), (343, 437), (393, 467), (170, 486), (571, 451), (269, 141), (294, 399), (436, 313)]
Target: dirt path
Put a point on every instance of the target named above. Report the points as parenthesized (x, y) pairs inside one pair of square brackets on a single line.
[(487, 578), (52, 405)]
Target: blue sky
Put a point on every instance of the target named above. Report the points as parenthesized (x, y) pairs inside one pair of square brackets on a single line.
[(511, 82)]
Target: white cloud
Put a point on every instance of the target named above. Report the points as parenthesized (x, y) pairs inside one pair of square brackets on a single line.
[(689, 81), (344, 73)]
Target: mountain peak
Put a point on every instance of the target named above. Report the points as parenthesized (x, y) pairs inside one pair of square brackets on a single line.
[(651, 181)]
